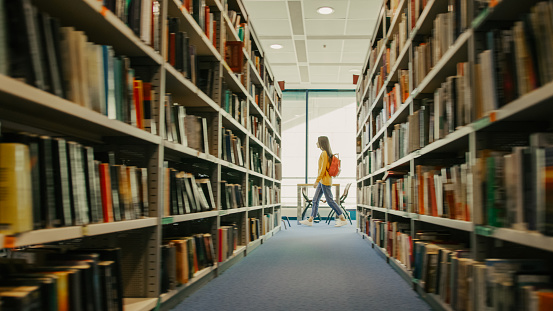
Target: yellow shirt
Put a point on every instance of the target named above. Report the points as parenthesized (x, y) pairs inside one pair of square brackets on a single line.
[(323, 175)]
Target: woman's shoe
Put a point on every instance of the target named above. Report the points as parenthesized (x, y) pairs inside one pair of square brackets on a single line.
[(340, 223), (306, 223)]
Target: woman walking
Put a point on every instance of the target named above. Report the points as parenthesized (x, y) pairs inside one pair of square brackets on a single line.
[(323, 185)]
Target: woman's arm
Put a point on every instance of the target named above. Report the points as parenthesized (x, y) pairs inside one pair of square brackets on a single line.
[(322, 167)]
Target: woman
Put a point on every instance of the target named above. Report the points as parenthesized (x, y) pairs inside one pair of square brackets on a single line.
[(323, 185)]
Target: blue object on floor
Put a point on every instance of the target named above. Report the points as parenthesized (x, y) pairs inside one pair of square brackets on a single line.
[(308, 268)]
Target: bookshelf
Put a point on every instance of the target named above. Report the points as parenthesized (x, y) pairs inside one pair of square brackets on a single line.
[(446, 192), (195, 79)]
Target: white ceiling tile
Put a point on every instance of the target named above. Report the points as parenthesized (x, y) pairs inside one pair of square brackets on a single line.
[(359, 27), (358, 57), (275, 58), (258, 10), (325, 27), (273, 27), (287, 45), (355, 45), (350, 70), (323, 78), (324, 70), (364, 9), (324, 57), (310, 9), (286, 73), (325, 45)]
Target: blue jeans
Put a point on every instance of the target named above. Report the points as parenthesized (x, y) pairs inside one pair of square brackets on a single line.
[(327, 190)]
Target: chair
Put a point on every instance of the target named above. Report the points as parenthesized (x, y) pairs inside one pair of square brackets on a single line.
[(284, 220), (309, 204), (341, 203)]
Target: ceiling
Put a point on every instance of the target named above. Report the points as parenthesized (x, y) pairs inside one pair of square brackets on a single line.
[(319, 51)]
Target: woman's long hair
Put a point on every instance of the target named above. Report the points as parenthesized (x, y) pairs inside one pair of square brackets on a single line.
[(325, 144)]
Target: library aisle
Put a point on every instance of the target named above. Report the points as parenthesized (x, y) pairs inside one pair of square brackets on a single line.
[(308, 268)]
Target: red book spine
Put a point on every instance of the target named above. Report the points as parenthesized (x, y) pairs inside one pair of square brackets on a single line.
[(105, 189), (139, 103), (207, 22), (172, 49)]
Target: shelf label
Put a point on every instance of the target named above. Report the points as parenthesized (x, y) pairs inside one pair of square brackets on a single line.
[(85, 230), (104, 11), (480, 18), (482, 123), (167, 220), (493, 116), (9, 241), (415, 216), (221, 213), (484, 231)]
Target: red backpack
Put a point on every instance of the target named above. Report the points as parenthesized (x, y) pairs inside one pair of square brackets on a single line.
[(334, 169)]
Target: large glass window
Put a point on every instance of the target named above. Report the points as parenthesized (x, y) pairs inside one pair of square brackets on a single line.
[(330, 113)]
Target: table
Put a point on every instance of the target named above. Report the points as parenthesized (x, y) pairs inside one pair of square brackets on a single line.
[(301, 201)]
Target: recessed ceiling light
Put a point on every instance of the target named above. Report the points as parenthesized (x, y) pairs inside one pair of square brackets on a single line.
[(354, 70), (276, 46), (325, 10)]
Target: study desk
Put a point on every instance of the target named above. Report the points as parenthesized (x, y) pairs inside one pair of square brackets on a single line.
[(301, 201)]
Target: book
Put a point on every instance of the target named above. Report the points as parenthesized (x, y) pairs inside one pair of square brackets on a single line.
[(16, 214)]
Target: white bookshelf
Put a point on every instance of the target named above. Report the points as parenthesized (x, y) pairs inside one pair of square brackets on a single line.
[(26, 108), (467, 140)]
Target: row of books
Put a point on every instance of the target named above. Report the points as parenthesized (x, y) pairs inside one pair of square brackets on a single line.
[(255, 195), (444, 268), (185, 194), (434, 191), (64, 63), (182, 257), (373, 195), (272, 195), (228, 240), (255, 126), (235, 106), (516, 60), (231, 196), (233, 148), (142, 17), (394, 237), (256, 159), (270, 141), (512, 188), (56, 278), (268, 223), (185, 129), (256, 230), (51, 182), (180, 53)]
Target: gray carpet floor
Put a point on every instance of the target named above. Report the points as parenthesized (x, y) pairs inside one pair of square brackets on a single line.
[(308, 268)]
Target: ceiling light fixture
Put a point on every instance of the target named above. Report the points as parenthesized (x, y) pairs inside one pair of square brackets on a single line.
[(276, 46), (354, 70), (325, 10)]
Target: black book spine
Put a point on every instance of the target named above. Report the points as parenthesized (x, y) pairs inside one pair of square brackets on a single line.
[(92, 183), (179, 38), (173, 189), (144, 192), (190, 194), (179, 196), (186, 202), (62, 182), (48, 188), (117, 209), (74, 184)]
